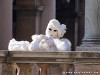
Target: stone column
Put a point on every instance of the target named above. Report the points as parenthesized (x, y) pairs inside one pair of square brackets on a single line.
[(47, 14), (91, 40), (38, 16), (5, 23)]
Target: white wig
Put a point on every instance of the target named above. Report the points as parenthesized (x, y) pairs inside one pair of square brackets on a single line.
[(61, 28)]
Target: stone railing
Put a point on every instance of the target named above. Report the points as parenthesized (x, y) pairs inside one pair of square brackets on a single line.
[(50, 63)]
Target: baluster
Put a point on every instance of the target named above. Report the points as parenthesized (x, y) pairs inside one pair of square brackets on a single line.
[(65, 68), (43, 68), (25, 69)]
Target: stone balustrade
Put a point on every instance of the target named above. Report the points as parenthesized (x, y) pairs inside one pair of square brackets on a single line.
[(50, 63)]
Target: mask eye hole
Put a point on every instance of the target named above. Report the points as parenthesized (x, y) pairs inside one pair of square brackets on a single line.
[(50, 29), (55, 30)]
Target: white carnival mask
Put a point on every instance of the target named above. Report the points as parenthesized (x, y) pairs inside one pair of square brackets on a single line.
[(54, 29)]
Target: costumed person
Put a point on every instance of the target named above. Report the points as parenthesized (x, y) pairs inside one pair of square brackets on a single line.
[(52, 40), (57, 31)]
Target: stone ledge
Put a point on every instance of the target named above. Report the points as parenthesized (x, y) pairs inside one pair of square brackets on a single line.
[(65, 54), (68, 57)]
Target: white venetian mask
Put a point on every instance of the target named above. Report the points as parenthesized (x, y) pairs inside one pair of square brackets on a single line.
[(52, 32), (54, 29)]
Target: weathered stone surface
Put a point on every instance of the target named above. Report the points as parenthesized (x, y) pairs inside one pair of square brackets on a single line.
[(54, 70), (86, 69), (7, 69)]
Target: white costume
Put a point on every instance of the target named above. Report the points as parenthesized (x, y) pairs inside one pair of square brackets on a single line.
[(57, 30), (18, 45), (36, 39)]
